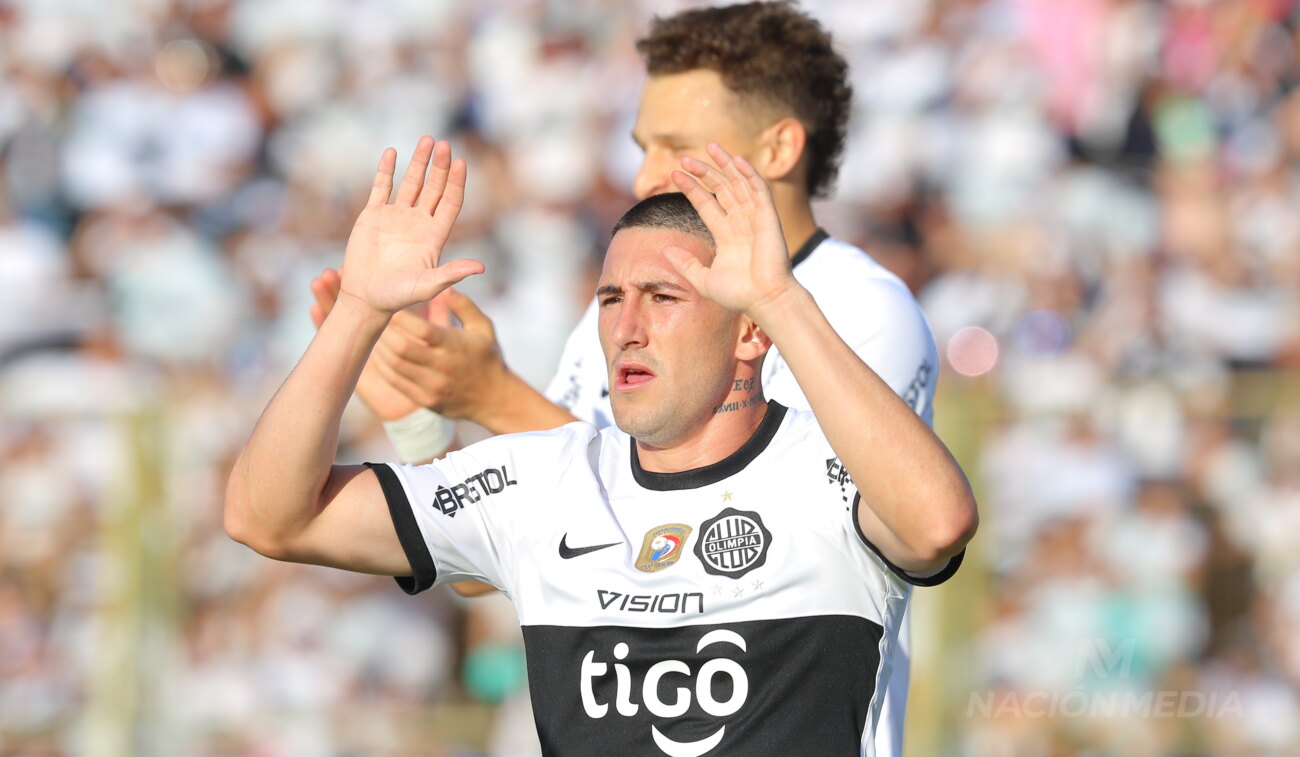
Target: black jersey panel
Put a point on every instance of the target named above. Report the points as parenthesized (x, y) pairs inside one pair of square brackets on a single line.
[(791, 686)]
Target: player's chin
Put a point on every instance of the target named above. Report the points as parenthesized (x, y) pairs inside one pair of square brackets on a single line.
[(635, 419)]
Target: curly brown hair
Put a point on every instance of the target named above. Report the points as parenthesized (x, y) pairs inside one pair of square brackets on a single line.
[(771, 51)]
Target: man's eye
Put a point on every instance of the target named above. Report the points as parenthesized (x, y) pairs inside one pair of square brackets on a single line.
[(665, 298), (610, 300)]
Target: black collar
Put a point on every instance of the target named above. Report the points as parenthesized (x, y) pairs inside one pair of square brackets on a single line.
[(816, 239), (712, 474)]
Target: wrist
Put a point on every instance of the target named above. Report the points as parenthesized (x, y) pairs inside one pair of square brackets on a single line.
[(420, 436), (353, 309), (778, 306), (503, 406)]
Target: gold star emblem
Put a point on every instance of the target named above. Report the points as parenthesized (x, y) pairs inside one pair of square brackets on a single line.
[(726, 496)]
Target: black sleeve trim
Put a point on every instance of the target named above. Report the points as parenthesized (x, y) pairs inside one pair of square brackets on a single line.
[(948, 571), (408, 532)]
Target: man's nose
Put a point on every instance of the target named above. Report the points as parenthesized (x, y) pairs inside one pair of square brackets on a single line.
[(652, 178), (628, 330)]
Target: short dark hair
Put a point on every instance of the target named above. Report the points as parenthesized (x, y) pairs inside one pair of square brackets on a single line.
[(670, 210), (772, 51)]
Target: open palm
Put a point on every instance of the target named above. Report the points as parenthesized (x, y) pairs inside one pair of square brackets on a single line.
[(392, 257), (751, 264)]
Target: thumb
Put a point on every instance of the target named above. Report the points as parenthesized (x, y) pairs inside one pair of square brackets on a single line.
[(688, 266), (470, 316), (433, 281), (439, 312)]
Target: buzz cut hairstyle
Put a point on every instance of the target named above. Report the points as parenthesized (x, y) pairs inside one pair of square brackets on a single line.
[(772, 52), (671, 211)]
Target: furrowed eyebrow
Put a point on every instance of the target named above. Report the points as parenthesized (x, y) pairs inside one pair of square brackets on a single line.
[(657, 285)]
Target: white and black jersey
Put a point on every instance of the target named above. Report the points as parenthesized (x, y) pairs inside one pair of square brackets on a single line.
[(875, 314), (868, 306), (731, 609)]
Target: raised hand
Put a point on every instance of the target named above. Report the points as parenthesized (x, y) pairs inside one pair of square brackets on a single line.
[(393, 252), (752, 264)]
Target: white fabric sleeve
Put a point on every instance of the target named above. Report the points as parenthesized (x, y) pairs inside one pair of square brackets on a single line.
[(459, 517), (884, 325), (580, 384), (842, 493)]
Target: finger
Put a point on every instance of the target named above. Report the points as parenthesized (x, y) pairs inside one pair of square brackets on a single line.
[(326, 294), (317, 316), (755, 180), (452, 198), (425, 382), (469, 314), (333, 278), (383, 186), (704, 201), (412, 390), (437, 181), (415, 327), (413, 179), (401, 346), (438, 312), (687, 265), (434, 281), (712, 179), (410, 360), (730, 168)]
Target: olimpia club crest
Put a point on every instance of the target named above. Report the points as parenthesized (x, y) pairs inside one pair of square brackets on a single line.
[(662, 547), (733, 543)]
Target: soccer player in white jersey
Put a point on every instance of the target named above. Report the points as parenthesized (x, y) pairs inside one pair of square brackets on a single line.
[(717, 575), (762, 80)]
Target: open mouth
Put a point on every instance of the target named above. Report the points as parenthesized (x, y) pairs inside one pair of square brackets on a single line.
[(629, 377)]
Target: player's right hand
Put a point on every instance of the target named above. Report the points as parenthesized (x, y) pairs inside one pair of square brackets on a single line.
[(393, 252)]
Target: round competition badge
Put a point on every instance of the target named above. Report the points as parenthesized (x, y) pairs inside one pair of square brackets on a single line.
[(662, 547)]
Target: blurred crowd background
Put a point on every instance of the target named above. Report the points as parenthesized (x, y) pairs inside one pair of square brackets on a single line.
[(1094, 200)]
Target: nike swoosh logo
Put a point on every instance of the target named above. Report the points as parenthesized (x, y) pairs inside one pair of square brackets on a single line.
[(568, 553)]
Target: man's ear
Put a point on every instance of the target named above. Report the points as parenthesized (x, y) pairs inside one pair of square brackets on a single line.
[(782, 145), (752, 342)]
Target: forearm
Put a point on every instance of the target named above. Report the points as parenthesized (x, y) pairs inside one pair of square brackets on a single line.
[(516, 406), (276, 485), (904, 473)]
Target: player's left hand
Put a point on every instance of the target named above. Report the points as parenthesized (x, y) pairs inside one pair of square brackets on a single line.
[(752, 265), (457, 372)]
